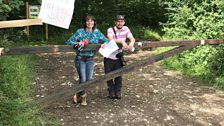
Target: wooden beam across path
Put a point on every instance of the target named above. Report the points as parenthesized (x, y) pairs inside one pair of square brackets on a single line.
[(69, 48), (178, 43), (20, 23), (68, 92)]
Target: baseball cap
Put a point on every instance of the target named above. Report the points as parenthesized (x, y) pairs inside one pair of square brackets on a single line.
[(120, 17)]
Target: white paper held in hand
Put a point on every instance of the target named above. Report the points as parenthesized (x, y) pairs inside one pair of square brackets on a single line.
[(108, 49)]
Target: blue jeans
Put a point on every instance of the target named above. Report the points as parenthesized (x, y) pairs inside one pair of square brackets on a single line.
[(85, 67)]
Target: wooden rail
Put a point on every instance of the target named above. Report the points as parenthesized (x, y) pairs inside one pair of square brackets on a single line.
[(20, 23), (138, 45)]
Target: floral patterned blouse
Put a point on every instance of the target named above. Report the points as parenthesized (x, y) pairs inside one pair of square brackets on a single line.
[(93, 37)]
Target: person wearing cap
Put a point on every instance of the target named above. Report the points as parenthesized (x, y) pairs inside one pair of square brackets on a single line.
[(84, 62), (119, 33)]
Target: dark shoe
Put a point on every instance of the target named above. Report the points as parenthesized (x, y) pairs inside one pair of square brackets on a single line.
[(118, 95), (111, 95)]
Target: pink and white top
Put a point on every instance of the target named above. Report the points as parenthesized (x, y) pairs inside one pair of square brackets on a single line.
[(122, 34)]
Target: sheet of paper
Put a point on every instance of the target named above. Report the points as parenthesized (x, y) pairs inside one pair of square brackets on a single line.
[(109, 49), (57, 12)]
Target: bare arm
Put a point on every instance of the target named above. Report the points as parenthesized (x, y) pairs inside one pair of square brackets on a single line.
[(124, 44), (132, 41)]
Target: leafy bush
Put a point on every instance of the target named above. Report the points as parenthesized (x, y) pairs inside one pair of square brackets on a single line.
[(12, 37), (144, 33), (8, 6), (197, 20)]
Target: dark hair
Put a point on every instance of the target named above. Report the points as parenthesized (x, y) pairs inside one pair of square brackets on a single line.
[(87, 18)]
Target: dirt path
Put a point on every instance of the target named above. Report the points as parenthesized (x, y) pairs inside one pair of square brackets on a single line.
[(151, 96)]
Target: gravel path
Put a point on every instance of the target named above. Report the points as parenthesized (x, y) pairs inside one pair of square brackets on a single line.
[(151, 96)]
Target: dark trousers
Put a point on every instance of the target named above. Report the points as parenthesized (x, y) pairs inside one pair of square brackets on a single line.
[(114, 85)]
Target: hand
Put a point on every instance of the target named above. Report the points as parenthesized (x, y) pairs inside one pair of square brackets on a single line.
[(131, 48), (124, 44), (76, 44), (102, 45)]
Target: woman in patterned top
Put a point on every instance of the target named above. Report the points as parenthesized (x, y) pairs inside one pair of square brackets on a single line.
[(84, 62)]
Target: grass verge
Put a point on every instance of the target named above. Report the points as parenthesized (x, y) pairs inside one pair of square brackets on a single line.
[(17, 75)]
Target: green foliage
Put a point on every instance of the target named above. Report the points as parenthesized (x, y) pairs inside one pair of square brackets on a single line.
[(144, 12), (148, 13), (197, 20), (145, 33), (141, 17), (11, 37), (216, 65), (193, 62), (8, 6), (14, 73), (15, 87), (60, 36)]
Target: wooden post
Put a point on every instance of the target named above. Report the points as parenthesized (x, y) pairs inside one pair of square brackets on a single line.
[(27, 16), (46, 32)]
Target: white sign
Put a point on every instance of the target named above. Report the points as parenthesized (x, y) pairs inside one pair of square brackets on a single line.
[(34, 11), (109, 49), (57, 12)]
